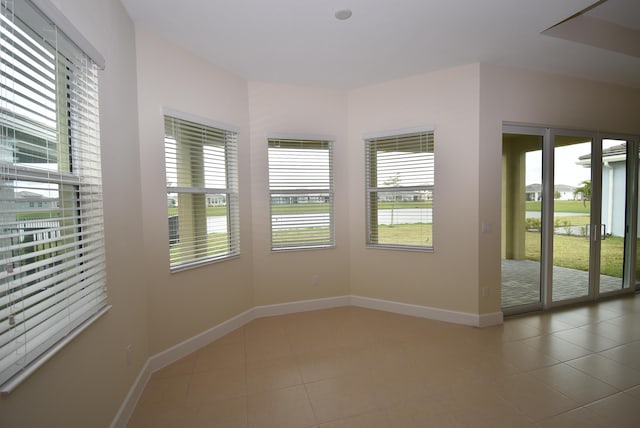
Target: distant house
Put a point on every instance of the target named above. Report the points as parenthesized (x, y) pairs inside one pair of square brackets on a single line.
[(562, 192), (614, 162), (31, 202)]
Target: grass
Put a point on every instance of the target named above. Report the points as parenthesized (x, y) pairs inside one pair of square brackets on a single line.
[(561, 206), (573, 252), (312, 208), (417, 234)]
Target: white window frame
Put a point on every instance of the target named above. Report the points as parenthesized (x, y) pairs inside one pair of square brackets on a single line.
[(290, 180), (419, 172), (189, 249), (53, 274)]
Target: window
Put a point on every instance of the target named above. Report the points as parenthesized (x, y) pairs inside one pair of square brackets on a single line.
[(52, 262), (301, 191), (400, 185), (202, 192)]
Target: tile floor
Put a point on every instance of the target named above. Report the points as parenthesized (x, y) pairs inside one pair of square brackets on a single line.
[(354, 367)]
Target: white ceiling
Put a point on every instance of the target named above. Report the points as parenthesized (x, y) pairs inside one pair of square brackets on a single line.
[(301, 42)]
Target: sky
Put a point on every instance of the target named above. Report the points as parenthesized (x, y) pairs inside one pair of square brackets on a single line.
[(566, 170)]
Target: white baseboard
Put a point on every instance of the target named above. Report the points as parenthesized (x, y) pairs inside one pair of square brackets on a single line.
[(189, 346), (491, 319), (131, 400), (438, 314), (300, 306), (184, 348)]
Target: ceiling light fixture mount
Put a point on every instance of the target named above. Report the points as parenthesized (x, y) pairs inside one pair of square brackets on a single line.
[(343, 14)]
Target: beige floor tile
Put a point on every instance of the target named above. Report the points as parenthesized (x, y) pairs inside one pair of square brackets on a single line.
[(387, 355), (165, 390), (518, 330), (419, 412), (634, 392), (620, 410), (582, 417), (282, 408), (525, 357), (392, 386), (607, 370), (217, 384), (263, 375), (532, 397), (228, 413), (375, 419), (628, 354), (570, 367), (181, 367), (267, 348), (219, 355), (312, 340), (478, 404), (583, 315), (166, 415), (329, 364), (488, 367), (620, 333), (573, 383), (556, 347), (342, 397), (587, 340), (546, 323)]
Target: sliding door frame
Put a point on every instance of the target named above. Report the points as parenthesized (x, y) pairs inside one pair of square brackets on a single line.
[(631, 282)]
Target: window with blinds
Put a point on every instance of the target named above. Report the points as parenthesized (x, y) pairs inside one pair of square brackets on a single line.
[(202, 192), (52, 261), (400, 184), (301, 192)]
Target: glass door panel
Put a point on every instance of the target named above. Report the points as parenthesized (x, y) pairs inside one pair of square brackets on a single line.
[(571, 218), (614, 196), (521, 219)]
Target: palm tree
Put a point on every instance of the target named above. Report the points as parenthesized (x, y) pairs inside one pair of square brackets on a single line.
[(584, 191)]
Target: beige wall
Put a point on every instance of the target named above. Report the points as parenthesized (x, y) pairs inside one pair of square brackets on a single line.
[(189, 302), (448, 100), (296, 110), (85, 383)]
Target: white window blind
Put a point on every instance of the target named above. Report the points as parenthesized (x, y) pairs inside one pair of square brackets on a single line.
[(52, 261), (202, 192), (301, 191), (400, 185)]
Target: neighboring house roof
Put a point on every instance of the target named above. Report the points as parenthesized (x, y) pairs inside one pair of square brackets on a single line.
[(617, 150), (537, 187), (28, 195)]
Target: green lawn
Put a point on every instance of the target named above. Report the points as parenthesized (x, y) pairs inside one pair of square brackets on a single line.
[(561, 206), (312, 208), (573, 252), (419, 234)]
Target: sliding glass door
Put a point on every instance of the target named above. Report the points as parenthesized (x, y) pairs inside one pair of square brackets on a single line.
[(568, 213), (571, 204)]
